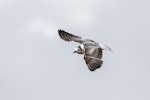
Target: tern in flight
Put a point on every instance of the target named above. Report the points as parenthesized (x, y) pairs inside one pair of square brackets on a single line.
[(91, 50)]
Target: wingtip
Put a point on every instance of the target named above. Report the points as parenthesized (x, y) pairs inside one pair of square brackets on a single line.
[(59, 30), (91, 70)]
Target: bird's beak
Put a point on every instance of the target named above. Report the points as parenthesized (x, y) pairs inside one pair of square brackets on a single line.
[(74, 52)]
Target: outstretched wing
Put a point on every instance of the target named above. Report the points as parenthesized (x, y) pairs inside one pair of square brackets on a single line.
[(69, 37), (93, 58)]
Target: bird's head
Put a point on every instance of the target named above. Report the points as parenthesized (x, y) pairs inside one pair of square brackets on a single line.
[(78, 50)]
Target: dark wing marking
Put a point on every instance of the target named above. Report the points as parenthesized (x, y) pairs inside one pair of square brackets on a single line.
[(93, 58), (69, 37)]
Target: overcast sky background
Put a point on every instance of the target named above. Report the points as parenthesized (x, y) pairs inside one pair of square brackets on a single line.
[(35, 64)]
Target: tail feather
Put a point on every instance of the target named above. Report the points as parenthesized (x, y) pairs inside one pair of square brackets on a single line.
[(105, 47)]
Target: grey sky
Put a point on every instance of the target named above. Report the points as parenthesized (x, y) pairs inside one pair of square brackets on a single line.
[(35, 64)]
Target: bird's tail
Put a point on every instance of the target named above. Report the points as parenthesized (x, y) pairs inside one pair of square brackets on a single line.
[(105, 47)]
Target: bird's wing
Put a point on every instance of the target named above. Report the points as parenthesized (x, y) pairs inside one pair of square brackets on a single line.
[(69, 37), (93, 57)]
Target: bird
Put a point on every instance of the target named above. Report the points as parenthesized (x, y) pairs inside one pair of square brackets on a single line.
[(91, 50)]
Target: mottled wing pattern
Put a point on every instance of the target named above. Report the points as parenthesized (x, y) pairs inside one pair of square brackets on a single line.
[(93, 57), (69, 37)]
